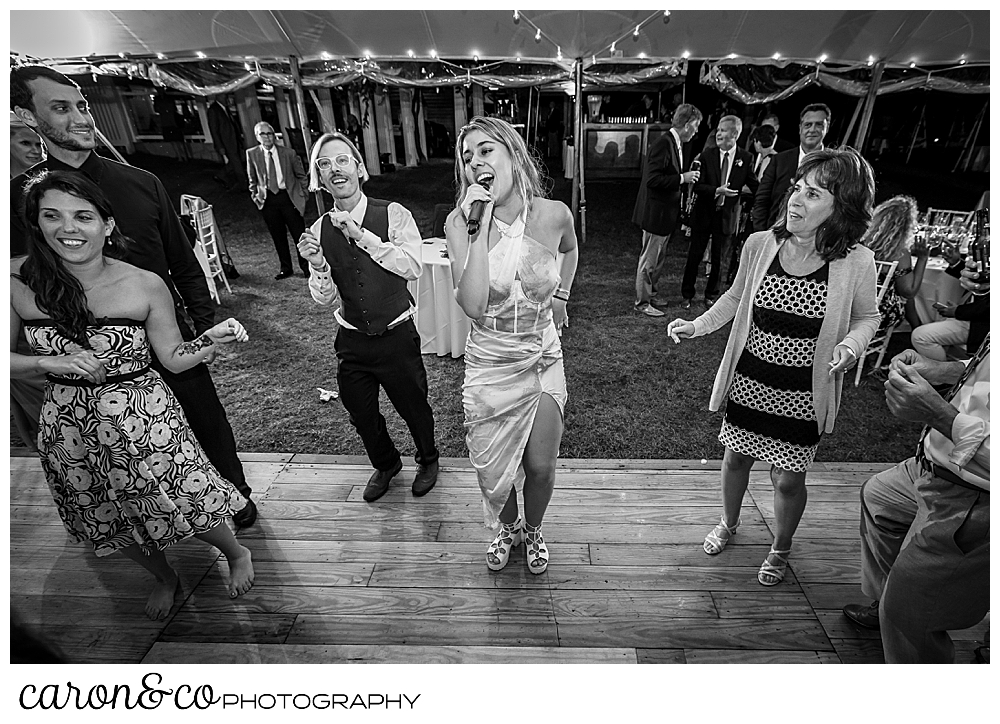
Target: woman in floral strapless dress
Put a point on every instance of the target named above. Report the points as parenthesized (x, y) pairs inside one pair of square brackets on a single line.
[(512, 278), (124, 468)]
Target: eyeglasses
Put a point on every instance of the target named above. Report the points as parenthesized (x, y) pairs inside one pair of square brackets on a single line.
[(341, 160)]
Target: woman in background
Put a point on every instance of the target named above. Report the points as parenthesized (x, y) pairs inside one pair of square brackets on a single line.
[(124, 468), (26, 147), (512, 278), (803, 311)]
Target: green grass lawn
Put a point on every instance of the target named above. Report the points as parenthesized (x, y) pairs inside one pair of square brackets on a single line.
[(632, 392)]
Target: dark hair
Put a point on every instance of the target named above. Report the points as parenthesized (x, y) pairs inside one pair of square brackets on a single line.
[(893, 222), (57, 292), (684, 114), (20, 93), (848, 176), (817, 108), (764, 134)]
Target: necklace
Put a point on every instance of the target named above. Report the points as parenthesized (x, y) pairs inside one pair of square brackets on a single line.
[(511, 230)]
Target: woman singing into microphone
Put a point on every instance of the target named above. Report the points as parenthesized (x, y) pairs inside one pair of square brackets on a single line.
[(513, 279)]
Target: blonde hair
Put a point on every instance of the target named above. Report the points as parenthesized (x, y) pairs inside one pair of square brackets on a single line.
[(314, 182), (893, 222), (528, 177)]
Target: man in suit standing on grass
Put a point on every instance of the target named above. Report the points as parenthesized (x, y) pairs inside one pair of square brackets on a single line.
[(658, 203), (814, 123), (725, 170), (278, 188)]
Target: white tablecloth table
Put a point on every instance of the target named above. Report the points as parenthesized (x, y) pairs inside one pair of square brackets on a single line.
[(937, 286), (442, 324)]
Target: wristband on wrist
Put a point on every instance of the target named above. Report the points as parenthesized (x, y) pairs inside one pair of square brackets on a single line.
[(562, 295)]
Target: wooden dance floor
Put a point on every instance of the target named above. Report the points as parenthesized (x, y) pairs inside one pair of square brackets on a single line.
[(405, 579)]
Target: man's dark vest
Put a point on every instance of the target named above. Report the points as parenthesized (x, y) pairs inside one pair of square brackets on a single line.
[(372, 297)]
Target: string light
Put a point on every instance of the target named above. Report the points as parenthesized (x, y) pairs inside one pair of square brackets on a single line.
[(538, 35), (642, 55), (635, 35), (776, 56), (558, 53), (475, 56), (326, 55), (666, 17), (913, 64), (517, 16), (434, 53), (410, 53), (201, 55), (871, 60), (367, 54), (731, 56), (822, 58), (686, 54), (161, 56), (613, 49), (962, 60), (247, 67)]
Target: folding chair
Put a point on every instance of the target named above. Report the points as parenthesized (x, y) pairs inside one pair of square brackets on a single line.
[(208, 245), (946, 217), (880, 342)]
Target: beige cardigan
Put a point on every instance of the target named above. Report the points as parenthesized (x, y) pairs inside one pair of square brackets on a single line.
[(852, 318)]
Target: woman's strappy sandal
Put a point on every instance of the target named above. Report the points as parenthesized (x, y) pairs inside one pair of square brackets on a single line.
[(716, 541), (537, 552), (770, 574), (508, 537)]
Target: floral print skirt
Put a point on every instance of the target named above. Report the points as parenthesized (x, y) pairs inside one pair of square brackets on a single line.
[(124, 468)]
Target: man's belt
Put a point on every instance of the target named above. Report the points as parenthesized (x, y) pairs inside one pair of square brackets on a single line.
[(939, 472)]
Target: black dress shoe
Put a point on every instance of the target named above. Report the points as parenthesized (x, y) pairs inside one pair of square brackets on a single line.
[(246, 517), (709, 301), (427, 476), (864, 616), (378, 483), (282, 275), (686, 304)]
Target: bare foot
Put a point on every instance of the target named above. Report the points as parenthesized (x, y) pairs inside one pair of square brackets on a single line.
[(161, 600), (240, 573)]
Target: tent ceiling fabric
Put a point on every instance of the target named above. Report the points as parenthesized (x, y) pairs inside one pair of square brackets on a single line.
[(931, 37)]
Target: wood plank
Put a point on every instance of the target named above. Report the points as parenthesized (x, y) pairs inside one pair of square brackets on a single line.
[(299, 573), (764, 634), (101, 644), (827, 571), (363, 601), (765, 603), (737, 553), (343, 530), (837, 625), (847, 513), (487, 630), (623, 604), (660, 656), (270, 549), (260, 628), (177, 653), (333, 492), (651, 534), (662, 496), (859, 651), (43, 610), (739, 656), (833, 595), (516, 575)]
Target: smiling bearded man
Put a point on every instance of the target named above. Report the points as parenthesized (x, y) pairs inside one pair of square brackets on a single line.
[(362, 254)]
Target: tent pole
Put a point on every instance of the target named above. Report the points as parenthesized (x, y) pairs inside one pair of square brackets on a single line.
[(527, 125), (579, 192), (854, 119), (866, 113), (300, 105)]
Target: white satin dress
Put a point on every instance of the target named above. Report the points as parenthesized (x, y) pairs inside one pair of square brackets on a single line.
[(513, 357)]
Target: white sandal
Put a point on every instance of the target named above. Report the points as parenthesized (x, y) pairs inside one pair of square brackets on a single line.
[(716, 541), (536, 550), (508, 537), (770, 574)]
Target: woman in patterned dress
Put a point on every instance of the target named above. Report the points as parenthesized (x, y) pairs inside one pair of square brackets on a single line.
[(803, 310), (512, 278), (124, 468)]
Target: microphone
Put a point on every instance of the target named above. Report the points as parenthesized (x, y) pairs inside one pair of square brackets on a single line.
[(476, 212)]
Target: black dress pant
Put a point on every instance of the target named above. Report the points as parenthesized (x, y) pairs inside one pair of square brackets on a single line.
[(699, 240), (391, 360), (196, 394), (282, 219)]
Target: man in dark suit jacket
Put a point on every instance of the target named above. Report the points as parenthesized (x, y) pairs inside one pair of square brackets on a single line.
[(278, 187), (227, 141), (769, 203), (658, 204), (725, 170)]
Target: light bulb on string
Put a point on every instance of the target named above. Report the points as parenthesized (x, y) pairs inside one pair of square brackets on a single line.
[(613, 48), (635, 34), (666, 17), (538, 35), (558, 53), (410, 53), (517, 17), (822, 58), (434, 53), (776, 56), (686, 54)]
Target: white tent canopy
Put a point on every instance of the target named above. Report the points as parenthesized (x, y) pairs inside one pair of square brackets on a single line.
[(899, 37)]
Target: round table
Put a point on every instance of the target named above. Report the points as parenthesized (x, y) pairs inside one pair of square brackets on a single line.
[(442, 324)]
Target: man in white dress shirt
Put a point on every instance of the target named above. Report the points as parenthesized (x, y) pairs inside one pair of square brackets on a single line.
[(362, 254)]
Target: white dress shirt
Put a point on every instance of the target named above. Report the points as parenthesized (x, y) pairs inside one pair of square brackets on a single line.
[(967, 454), (273, 153), (723, 155), (400, 254)]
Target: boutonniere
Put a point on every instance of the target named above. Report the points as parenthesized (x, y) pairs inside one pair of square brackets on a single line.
[(739, 162)]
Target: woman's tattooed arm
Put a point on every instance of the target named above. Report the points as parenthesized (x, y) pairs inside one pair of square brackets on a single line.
[(194, 346)]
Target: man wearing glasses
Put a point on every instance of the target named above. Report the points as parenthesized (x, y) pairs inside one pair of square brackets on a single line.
[(362, 254), (277, 185)]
